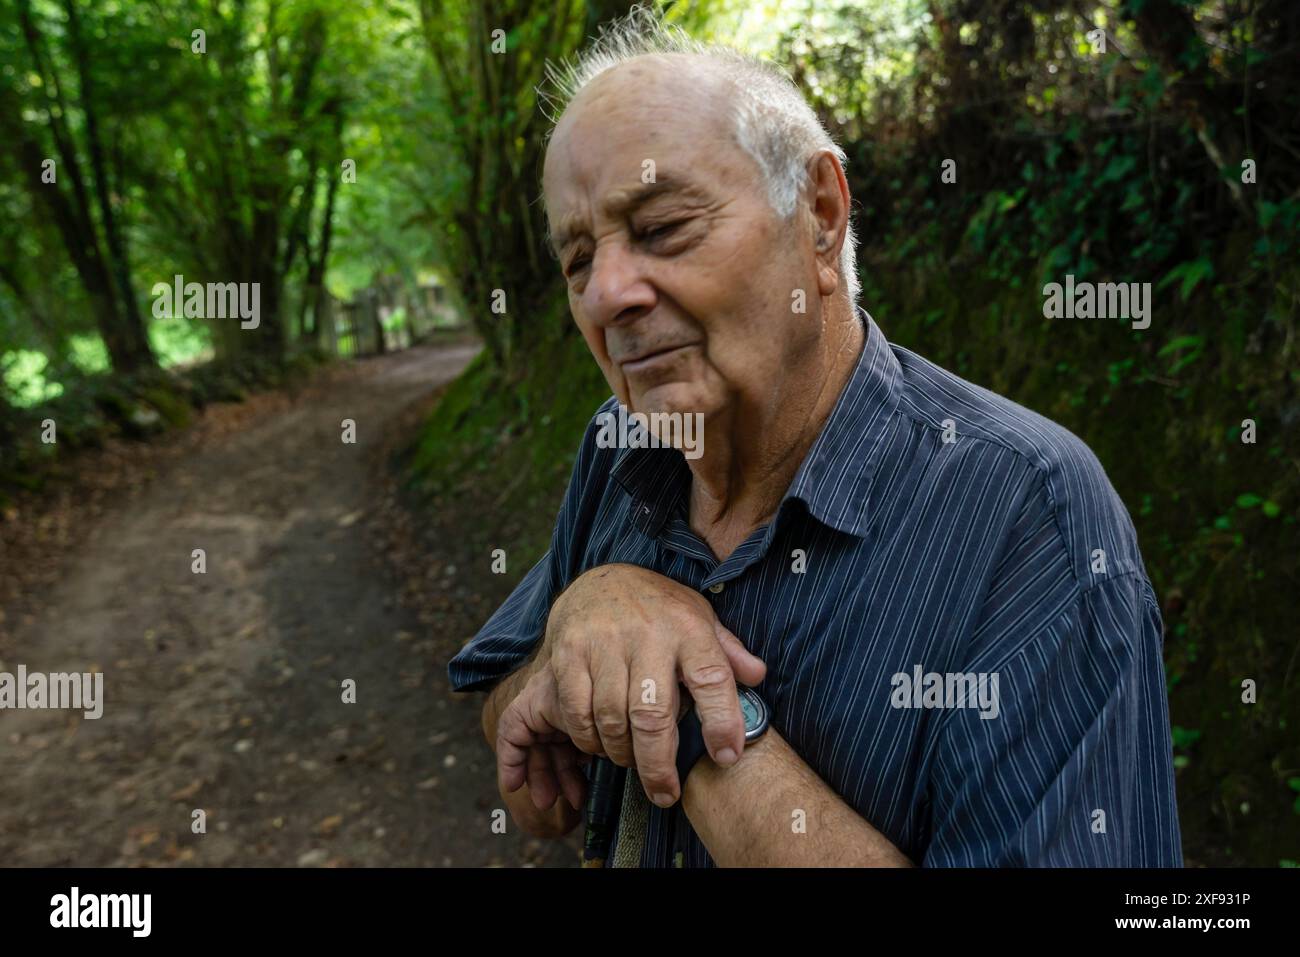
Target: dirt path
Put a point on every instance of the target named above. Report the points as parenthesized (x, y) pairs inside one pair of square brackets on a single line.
[(223, 690)]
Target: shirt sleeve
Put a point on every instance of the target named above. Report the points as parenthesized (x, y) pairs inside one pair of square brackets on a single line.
[(1074, 767), (505, 642)]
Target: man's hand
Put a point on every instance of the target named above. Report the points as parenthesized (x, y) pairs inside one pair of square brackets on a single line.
[(618, 641), (553, 818), (533, 748)]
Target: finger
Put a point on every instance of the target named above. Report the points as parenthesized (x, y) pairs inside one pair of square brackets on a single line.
[(609, 706), (542, 786), (706, 672), (748, 669), (573, 783), (524, 725), (573, 690), (514, 742), (652, 714)]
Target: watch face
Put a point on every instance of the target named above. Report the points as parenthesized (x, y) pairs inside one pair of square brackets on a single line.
[(755, 711)]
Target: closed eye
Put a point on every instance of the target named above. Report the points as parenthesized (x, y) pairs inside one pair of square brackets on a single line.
[(650, 235), (662, 231)]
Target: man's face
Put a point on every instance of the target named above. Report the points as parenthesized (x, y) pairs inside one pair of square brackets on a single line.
[(682, 286)]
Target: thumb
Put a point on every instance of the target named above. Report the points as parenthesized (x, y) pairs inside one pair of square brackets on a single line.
[(748, 669)]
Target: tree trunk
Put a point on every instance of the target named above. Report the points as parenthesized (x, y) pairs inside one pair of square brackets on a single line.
[(131, 324), (318, 263), (112, 302)]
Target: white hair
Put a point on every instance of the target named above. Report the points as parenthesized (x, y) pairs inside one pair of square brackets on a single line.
[(773, 122)]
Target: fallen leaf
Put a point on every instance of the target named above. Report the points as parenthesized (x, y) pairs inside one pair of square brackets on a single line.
[(187, 792)]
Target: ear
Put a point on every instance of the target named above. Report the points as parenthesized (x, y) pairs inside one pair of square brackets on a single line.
[(828, 199)]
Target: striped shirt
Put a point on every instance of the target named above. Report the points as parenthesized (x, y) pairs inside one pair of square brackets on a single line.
[(936, 536)]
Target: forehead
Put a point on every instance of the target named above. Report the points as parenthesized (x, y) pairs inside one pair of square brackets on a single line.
[(673, 110)]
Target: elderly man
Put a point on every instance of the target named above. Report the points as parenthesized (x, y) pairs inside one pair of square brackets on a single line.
[(886, 617)]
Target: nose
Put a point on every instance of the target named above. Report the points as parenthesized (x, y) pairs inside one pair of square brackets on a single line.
[(618, 290)]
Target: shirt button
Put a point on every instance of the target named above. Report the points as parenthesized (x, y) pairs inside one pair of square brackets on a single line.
[(717, 587)]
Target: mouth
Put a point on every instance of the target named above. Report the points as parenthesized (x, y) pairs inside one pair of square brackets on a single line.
[(651, 359)]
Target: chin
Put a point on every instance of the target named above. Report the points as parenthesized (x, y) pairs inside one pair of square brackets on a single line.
[(684, 397)]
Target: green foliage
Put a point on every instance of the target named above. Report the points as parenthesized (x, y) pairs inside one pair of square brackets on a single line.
[(179, 341), (1190, 274), (23, 372), (477, 146)]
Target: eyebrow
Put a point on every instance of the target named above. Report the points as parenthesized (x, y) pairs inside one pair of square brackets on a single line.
[(624, 202)]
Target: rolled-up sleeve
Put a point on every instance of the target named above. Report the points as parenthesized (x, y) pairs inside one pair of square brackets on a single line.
[(1076, 768), (508, 638)]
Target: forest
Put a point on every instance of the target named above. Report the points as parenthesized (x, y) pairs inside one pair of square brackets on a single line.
[(371, 171)]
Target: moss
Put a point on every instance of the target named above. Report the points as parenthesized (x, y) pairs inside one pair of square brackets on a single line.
[(502, 447), (173, 407)]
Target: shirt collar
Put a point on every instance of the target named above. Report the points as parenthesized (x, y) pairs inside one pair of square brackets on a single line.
[(835, 476)]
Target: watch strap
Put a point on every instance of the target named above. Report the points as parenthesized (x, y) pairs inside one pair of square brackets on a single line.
[(690, 744)]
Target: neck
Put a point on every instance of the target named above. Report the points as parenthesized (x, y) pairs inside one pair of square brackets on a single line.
[(752, 453)]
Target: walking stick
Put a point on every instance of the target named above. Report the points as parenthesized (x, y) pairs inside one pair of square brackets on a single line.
[(602, 811)]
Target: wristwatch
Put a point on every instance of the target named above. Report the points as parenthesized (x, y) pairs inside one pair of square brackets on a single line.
[(690, 735)]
